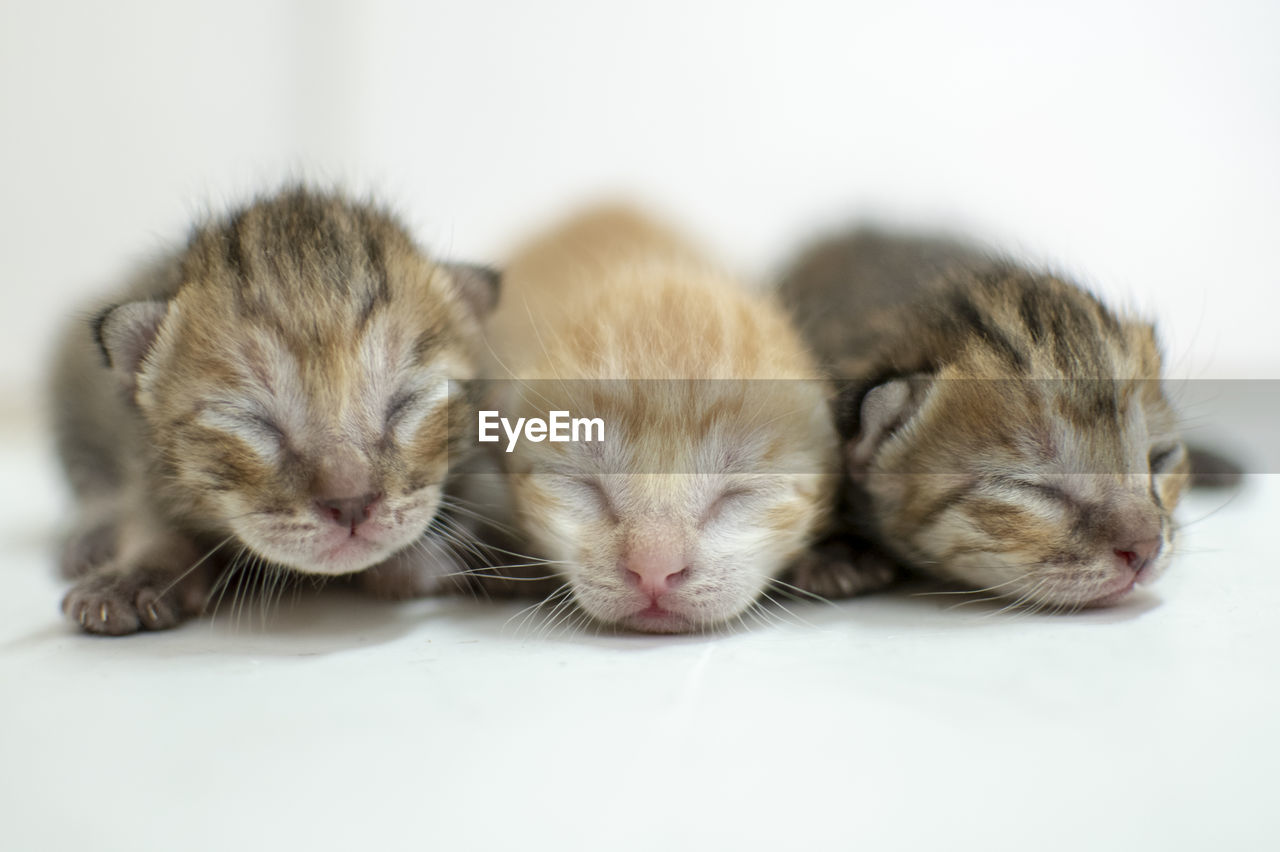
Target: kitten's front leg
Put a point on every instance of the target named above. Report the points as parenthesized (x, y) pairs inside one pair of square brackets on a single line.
[(90, 545), (842, 567), (147, 580)]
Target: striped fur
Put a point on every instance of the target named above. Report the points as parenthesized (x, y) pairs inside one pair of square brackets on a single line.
[(300, 349), (1003, 428)]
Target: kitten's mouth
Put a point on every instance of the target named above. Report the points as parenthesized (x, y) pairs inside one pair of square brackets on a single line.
[(351, 553), (657, 621), (1119, 589), (346, 551), (655, 618)]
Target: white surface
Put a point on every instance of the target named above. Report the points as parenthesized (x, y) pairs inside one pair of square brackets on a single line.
[(895, 722)]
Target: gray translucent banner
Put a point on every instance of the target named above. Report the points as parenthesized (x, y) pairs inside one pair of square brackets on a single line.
[(704, 426)]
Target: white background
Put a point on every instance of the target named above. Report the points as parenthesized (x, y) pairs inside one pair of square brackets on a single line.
[(1135, 144)]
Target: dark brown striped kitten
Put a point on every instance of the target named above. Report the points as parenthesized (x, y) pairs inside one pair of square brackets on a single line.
[(1003, 428), (280, 387)]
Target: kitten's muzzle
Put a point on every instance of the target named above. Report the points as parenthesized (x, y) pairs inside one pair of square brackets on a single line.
[(1135, 562)]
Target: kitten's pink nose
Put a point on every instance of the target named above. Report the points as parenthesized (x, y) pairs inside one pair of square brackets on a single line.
[(349, 512), (654, 571), (1138, 554)]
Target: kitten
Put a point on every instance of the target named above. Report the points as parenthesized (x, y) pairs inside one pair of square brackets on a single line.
[(1003, 428), (708, 480), (275, 394)]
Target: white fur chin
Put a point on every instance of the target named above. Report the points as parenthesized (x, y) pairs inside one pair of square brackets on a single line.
[(333, 555), (347, 565), (347, 560)]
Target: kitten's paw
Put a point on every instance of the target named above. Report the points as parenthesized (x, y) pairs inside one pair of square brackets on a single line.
[(840, 569), (116, 604), (103, 607)]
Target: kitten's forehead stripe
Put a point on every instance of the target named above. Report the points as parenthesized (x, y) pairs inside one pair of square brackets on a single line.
[(1032, 309), (309, 249), (235, 249), (1092, 405), (380, 293), (1109, 321), (1073, 349), (967, 314)]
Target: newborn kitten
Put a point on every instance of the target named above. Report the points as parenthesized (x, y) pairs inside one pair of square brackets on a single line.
[(708, 480), (276, 392), (1003, 428)]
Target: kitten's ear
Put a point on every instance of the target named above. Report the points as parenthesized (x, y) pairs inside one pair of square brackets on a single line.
[(866, 418), (478, 285), (125, 333)]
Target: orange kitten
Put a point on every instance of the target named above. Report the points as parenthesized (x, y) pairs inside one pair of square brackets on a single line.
[(717, 456)]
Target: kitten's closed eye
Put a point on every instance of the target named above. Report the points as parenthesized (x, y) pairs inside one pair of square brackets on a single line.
[(411, 405), (252, 424), (1032, 486), (266, 428), (1165, 457), (724, 503), (594, 489)]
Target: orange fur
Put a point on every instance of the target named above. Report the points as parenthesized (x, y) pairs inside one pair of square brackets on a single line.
[(705, 391)]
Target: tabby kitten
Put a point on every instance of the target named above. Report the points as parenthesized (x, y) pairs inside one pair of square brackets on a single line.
[(276, 393), (1002, 427)]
